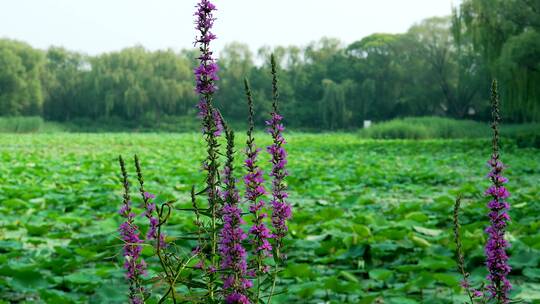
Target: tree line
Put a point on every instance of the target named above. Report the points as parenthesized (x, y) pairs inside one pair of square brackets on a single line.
[(441, 66)]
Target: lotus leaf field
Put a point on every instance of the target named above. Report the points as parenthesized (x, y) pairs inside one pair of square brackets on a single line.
[(372, 220)]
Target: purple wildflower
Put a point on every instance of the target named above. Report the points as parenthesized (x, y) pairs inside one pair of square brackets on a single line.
[(206, 73), (281, 210), (496, 256), (260, 234), (129, 232), (233, 254), (212, 127)]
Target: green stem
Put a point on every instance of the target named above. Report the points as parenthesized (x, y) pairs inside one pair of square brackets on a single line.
[(274, 277)]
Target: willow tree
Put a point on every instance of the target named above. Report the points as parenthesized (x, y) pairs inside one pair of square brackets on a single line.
[(507, 34), (20, 84)]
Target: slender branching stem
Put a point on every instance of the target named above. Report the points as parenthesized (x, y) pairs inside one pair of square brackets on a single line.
[(459, 249)]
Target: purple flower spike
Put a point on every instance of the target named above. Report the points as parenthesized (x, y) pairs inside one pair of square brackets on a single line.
[(281, 210), (206, 73), (260, 234), (134, 265), (496, 256), (254, 180), (233, 254), (129, 232)]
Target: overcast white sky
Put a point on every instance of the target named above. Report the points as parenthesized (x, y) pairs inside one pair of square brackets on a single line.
[(95, 26)]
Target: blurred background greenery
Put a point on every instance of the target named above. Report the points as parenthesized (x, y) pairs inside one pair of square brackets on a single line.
[(440, 67)]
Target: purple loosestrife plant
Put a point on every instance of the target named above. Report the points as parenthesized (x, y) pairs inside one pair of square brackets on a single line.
[(233, 253), (281, 210), (498, 268), (496, 256), (217, 269), (254, 179), (129, 232), (206, 77)]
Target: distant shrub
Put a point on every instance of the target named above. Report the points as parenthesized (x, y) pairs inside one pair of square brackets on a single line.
[(426, 127), (440, 127), (525, 135), (396, 129), (21, 124)]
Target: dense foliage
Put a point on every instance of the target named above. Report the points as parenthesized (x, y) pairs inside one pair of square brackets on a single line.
[(440, 66), (20, 85), (372, 220), (507, 35)]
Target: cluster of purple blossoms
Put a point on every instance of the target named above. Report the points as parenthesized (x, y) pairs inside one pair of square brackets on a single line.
[(281, 209), (254, 180), (206, 73), (135, 266), (233, 253), (237, 298), (254, 190), (153, 222), (496, 256)]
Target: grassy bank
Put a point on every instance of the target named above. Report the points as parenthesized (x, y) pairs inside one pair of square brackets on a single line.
[(526, 135)]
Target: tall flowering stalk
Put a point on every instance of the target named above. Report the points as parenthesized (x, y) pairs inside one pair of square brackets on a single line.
[(206, 77), (281, 210), (233, 253), (498, 285), (259, 232), (496, 256), (135, 266)]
